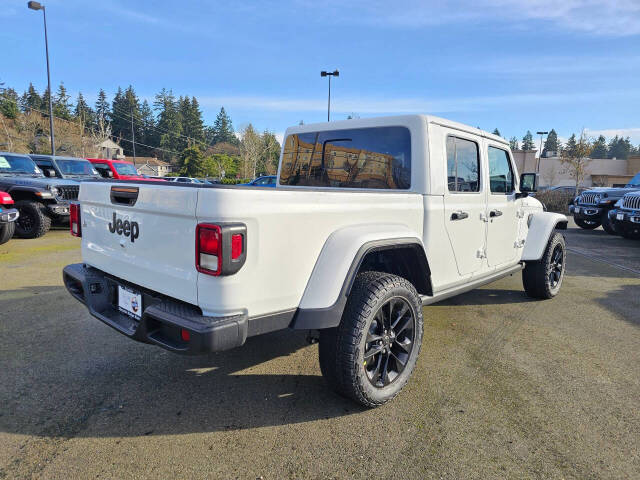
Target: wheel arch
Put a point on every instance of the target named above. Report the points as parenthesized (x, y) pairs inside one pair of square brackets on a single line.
[(395, 250), (541, 227)]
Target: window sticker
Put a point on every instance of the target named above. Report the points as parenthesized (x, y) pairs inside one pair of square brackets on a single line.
[(4, 163)]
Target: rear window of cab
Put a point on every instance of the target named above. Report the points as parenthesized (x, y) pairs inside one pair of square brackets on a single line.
[(371, 158)]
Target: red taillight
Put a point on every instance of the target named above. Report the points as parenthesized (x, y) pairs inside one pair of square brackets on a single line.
[(236, 246), (209, 249), (74, 220), (221, 249), (5, 199)]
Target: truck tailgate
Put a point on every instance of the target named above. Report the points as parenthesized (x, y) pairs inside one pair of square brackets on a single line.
[(151, 243)]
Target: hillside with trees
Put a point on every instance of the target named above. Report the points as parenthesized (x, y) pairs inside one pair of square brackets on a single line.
[(170, 128)]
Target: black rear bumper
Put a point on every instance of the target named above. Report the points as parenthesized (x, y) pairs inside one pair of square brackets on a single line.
[(163, 320)]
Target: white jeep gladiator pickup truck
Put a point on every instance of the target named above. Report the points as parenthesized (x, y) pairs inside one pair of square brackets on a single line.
[(371, 220)]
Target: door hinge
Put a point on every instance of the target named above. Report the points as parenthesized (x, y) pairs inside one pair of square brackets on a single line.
[(483, 217), (481, 253)]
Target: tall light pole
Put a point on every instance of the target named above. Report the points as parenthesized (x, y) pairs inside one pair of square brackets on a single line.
[(38, 6), (540, 154), (335, 73)]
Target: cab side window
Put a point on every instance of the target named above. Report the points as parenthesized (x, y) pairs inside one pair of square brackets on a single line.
[(102, 169), (463, 165), (500, 171)]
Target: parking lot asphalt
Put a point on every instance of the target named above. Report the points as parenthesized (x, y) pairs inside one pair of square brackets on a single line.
[(505, 387)]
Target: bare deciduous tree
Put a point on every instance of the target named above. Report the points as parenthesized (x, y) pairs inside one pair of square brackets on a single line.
[(575, 160)]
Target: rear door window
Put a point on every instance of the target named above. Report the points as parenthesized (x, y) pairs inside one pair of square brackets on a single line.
[(463, 165), (376, 158)]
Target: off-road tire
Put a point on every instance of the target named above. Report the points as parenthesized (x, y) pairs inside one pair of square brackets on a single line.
[(342, 349), (539, 278), (607, 226), (587, 226), (33, 221), (6, 231)]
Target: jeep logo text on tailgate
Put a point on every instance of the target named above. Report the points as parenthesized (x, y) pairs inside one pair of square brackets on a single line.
[(126, 228)]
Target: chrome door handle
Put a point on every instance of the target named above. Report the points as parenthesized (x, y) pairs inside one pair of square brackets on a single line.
[(495, 213), (459, 215)]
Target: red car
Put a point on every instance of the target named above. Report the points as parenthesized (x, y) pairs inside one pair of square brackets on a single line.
[(119, 169), (8, 217)]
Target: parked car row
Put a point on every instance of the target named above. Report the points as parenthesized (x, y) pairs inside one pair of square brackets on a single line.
[(40, 187), (617, 210)]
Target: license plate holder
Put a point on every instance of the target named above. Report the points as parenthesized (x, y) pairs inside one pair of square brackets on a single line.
[(577, 210), (620, 216), (129, 302)]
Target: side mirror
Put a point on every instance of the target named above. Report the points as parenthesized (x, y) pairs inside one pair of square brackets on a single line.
[(108, 174), (528, 182), (49, 172)]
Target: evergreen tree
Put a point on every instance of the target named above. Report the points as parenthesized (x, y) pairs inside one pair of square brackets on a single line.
[(169, 123), (571, 147), (619, 147), (192, 162), (527, 141), (102, 107), (600, 148), (125, 114), (44, 106), (551, 143), (513, 143), (61, 104), (192, 124), (496, 132), (147, 121), (222, 130), (83, 112), (9, 102), (31, 99)]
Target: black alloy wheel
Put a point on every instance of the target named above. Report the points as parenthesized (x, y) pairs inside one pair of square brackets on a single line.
[(556, 266), (389, 342)]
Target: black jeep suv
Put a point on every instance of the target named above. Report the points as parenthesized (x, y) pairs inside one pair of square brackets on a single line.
[(591, 208), (38, 199)]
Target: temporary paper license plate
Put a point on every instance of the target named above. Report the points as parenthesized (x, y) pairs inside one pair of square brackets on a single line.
[(620, 216), (129, 302)]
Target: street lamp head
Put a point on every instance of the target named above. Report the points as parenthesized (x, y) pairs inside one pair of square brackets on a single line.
[(336, 73), (35, 6), (323, 73)]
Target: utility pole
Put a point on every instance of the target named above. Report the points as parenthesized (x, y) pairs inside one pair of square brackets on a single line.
[(38, 6), (335, 73), (133, 136)]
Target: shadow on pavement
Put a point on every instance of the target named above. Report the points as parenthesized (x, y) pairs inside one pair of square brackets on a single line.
[(623, 302), (81, 378)]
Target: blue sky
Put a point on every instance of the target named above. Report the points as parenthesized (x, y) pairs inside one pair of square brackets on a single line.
[(511, 64)]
